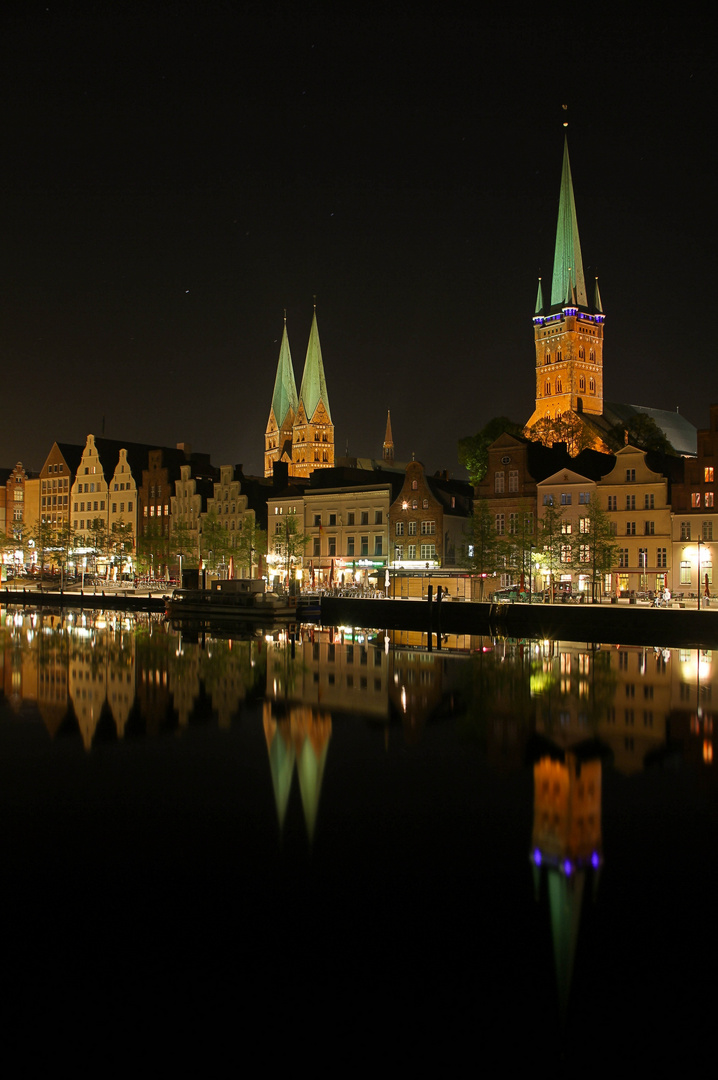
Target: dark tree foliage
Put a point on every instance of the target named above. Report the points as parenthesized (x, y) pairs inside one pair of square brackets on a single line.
[(643, 432), (473, 449)]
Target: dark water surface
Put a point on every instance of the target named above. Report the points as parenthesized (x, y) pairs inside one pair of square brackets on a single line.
[(355, 850)]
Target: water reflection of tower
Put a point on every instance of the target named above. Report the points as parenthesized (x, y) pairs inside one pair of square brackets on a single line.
[(297, 741), (310, 678), (566, 849)]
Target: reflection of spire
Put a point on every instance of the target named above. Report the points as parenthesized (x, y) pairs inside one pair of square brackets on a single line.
[(567, 841), (311, 731), (281, 759), (301, 740)]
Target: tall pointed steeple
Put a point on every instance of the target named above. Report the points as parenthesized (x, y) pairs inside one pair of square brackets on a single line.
[(388, 454), (568, 335), (314, 387), (285, 388), (313, 431), (278, 436), (567, 261)]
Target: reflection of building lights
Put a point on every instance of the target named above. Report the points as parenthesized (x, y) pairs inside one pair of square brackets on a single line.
[(707, 751), (403, 698)]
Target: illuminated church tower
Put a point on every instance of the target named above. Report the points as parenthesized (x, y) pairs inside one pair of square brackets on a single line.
[(313, 431), (568, 332), (278, 436)]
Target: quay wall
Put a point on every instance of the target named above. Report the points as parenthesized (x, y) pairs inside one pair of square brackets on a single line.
[(597, 623), (113, 601)]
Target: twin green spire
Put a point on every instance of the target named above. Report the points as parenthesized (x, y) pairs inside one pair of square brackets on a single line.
[(314, 387), (284, 397)]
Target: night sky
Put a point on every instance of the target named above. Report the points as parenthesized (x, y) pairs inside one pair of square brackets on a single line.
[(173, 181)]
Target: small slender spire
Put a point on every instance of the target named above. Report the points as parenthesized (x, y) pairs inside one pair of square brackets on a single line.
[(388, 439), (539, 299), (597, 305)]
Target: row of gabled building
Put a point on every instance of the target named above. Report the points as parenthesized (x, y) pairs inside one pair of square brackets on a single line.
[(121, 506), (124, 494)]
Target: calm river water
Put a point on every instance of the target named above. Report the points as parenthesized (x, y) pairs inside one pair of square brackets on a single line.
[(351, 849)]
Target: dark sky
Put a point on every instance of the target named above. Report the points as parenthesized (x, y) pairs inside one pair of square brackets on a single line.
[(172, 181)]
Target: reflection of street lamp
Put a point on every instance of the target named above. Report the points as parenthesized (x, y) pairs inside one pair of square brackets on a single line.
[(531, 563)]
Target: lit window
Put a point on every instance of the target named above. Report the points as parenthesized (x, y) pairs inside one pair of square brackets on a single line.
[(695, 499), (708, 474)]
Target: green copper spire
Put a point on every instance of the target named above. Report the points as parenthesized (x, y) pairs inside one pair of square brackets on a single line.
[(597, 305), (567, 263), (285, 388), (314, 387)]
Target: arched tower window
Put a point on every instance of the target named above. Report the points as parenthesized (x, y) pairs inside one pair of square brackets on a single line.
[(592, 385), (582, 383), (548, 357), (558, 356), (581, 353), (592, 356), (559, 385), (548, 387)]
